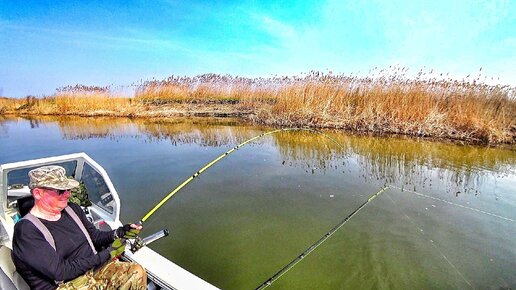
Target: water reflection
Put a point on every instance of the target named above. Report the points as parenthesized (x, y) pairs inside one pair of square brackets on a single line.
[(203, 132), (419, 163), (74, 128), (406, 162), (3, 126)]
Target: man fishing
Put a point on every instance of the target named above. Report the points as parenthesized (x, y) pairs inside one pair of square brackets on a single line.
[(55, 245)]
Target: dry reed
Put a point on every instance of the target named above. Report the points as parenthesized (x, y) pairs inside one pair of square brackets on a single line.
[(426, 106)]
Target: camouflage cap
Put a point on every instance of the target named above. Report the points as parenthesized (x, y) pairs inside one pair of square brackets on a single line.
[(51, 177)]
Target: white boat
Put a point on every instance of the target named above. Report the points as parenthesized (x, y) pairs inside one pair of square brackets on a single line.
[(15, 197)]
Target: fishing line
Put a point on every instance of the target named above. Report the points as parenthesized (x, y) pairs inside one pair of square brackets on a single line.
[(208, 165), (455, 204), (430, 240), (313, 246)]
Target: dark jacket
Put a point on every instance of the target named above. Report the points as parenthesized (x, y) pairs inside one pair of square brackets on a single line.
[(40, 265)]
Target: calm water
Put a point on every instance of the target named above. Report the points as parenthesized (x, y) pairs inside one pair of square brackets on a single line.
[(250, 214)]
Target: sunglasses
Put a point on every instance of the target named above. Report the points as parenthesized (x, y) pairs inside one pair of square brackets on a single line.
[(58, 191)]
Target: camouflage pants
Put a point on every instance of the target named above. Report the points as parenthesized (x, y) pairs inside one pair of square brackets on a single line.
[(113, 275)]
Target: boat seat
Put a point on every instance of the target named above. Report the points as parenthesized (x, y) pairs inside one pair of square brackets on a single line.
[(25, 204), (9, 277), (5, 282)]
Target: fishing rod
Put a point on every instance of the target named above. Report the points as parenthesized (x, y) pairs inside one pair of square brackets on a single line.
[(138, 242), (208, 165), (313, 246)]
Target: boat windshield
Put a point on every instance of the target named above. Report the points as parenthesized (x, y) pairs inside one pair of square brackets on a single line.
[(98, 191)]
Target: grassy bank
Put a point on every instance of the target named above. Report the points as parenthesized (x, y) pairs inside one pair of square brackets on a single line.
[(461, 110)]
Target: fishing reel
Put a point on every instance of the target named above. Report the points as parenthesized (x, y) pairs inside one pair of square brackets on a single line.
[(138, 242)]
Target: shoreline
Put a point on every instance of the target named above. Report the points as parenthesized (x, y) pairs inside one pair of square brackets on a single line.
[(250, 116)]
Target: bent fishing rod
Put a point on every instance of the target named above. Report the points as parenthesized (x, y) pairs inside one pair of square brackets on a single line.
[(208, 165), (139, 242)]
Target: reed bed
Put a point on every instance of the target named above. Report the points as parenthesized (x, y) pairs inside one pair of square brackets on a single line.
[(10, 105), (467, 110), (206, 89), (79, 103), (423, 106), (75, 100)]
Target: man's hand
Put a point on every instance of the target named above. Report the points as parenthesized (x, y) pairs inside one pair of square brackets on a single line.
[(128, 231), (117, 248)]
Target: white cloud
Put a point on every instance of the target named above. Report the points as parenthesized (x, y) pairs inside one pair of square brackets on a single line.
[(280, 30), (96, 39)]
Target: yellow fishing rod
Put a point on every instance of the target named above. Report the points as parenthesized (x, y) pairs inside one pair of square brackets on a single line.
[(189, 179)]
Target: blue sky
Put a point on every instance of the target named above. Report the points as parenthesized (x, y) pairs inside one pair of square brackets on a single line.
[(48, 44)]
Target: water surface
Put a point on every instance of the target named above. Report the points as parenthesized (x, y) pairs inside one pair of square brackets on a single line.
[(447, 220)]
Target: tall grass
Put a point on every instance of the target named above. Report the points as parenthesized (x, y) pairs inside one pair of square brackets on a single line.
[(465, 110), (206, 89), (392, 103), (422, 107), (76, 100), (8, 105)]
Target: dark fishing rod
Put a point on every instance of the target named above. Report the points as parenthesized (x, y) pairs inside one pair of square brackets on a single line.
[(313, 246), (208, 165)]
